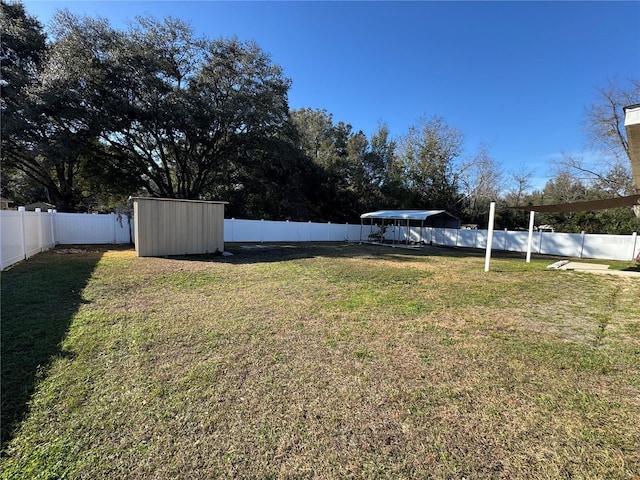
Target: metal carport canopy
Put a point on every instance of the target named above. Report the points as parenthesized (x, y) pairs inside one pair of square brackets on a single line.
[(420, 215), (402, 214), (427, 218)]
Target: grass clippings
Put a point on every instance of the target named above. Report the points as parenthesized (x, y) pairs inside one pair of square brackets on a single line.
[(319, 361)]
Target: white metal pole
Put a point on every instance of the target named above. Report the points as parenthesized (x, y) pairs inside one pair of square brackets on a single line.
[(492, 214), (532, 216)]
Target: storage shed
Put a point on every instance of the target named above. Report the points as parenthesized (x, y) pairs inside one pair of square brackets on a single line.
[(166, 226), (410, 222)]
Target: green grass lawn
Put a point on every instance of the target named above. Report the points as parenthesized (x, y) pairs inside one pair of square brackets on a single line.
[(317, 361)]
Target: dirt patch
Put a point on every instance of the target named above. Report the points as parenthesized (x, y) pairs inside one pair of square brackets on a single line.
[(84, 249), (74, 251)]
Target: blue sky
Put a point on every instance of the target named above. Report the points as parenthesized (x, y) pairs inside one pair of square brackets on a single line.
[(515, 76)]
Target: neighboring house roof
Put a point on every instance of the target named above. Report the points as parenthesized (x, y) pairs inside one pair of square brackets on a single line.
[(44, 206)]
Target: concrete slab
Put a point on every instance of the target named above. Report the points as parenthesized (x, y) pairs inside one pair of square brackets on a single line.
[(596, 268), (584, 266)]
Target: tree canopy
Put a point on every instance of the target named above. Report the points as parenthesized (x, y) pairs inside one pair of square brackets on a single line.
[(92, 114)]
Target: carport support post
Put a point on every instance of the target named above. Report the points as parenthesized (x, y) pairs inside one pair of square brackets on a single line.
[(532, 216), (492, 215), (395, 232), (408, 234)]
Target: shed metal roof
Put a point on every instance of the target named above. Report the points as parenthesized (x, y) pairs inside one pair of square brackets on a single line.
[(161, 199)]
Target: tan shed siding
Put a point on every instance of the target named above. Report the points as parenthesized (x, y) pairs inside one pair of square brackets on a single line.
[(632, 126), (178, 227), (136, 226), (633, 136)]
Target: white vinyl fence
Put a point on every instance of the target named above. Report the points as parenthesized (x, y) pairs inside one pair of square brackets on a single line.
[(236, 230), (23, 234), (578, 245), (82, 228)]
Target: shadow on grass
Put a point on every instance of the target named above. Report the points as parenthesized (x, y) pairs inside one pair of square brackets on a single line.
[(250, 253), (629, 268), (282, 251), (39, 299)]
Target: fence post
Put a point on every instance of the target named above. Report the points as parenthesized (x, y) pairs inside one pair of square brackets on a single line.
[(261, 228), (540, 243), (112, 215), (39, 215), (635, 243), (581, 243), (328, 231), (346, 231), (506, 235), (232, 228), (22, 231), (53, 232)]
